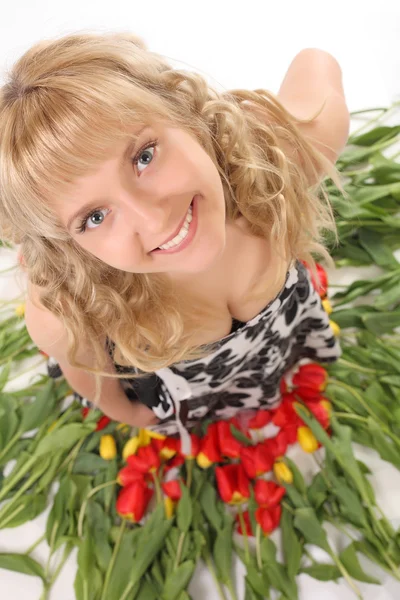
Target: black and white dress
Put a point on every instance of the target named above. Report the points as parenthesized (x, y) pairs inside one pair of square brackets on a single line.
[(244, 369)]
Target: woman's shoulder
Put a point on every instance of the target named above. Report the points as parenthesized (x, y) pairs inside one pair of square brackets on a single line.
[(45, 329)]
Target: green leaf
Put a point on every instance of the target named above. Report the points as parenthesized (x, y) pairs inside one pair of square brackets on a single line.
[(239, 435), (4, 375), (307, 523), (382, 322), (209, 503), (149, 551), (298, 479), (88, 463), (86, 556), (99, 526), (62, 439), (384, 445), (318, 491), (223, 554), (349, 560), (124, 560), (26, 508), (292, 549), (21, 563), (323, 572), (258, 581), (184, 512), (178, 580), (382, 132), (37, 411), (375, 245), (276, 573), (250, 594)]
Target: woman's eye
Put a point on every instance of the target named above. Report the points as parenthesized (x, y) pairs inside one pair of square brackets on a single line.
[(96, 218), (144, 158)]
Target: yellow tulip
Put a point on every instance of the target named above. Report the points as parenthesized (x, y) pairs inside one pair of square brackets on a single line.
[(283, 473), (335, 328), (108, 447), (307, 440), (327, 306), (169, 507), (20, 310), (203, 461), (130, 447)]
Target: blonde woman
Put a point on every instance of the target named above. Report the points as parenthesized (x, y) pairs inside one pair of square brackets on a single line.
[(163, 224)]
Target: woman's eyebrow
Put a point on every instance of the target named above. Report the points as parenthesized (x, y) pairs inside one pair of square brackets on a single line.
[(127, 154)]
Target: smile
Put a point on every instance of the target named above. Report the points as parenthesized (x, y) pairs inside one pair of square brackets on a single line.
[(185, 235)]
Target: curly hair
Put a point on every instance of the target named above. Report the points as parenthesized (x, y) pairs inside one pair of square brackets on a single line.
[(65, 103)]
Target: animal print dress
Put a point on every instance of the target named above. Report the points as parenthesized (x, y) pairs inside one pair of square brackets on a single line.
[(244, 369)]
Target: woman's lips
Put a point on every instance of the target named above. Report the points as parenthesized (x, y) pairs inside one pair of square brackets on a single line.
[(190, 235)]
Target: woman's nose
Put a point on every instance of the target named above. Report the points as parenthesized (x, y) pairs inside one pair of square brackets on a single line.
[(148, 215)]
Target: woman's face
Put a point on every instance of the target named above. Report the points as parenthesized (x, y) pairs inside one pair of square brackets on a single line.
[(164, 188)]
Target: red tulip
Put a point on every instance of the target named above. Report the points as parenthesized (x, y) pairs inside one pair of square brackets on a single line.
[(268, 518), (102, 422), (247, 522), (146, 460), (128, 475), (321, 411), (321, 282), (172, 489), (311, 376), (260, 419), (256, 460), (233, 484), (132, 501), (176, 461), (209, 448), (285, 414), (268, 494), (228, 444), (85, 411), (277, 445), (195, 446)]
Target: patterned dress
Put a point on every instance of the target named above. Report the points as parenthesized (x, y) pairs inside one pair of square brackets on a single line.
[(244, 369)]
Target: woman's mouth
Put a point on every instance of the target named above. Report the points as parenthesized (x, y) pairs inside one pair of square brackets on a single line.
[(185, 234)]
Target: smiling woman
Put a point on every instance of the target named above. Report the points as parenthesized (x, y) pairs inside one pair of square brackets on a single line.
[(151, 210)]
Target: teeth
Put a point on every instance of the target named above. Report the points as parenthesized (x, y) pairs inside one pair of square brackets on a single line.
[(182, 234)]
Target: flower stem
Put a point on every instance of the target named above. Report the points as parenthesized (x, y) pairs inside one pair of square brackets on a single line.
[(258, 548), (157, 487), (112, 561), (179, 549), (244, 533), (210, 566), (232, 590), (357, 367), (84, 505), (33, 547), (346, 575)]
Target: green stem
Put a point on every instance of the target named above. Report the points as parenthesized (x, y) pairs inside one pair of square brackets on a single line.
[(258, 548), (348, 363), (32, 479), (32, 548), (12, 441), (366, 406), (157, 486), (346, 575), (84, 505), (189, 468), (179, 550), (113, 558), (344, 415), (244, 533), (67, 552), (210, 566), (232, 590)]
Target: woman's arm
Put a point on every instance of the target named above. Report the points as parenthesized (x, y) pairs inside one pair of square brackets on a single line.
[(49, 335)]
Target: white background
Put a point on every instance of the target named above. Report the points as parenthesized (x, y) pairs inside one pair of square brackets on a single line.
[(235, 44)]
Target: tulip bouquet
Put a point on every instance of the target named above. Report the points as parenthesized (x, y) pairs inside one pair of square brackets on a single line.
[(141, 515)]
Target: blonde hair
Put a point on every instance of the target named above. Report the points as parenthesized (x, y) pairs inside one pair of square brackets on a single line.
[(66, 103)]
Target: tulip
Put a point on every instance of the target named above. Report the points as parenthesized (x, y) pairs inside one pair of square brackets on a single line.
[(132, 501), (20, 310), (233, 484), (228, 444), (267, 493), (169, 448), (128, 475), (311, 376), (247, 522), (108, 447), (102, 422), (327, 306), (84, 412), (285, 414), (177, 461), (256, 460), (321, 282), (283, 473), (169, 507), (268, 518), (335, 328), (209, 448), (130, 447), (145, 461), (277, 445), (307, 440), (260, 419), (172, 489)]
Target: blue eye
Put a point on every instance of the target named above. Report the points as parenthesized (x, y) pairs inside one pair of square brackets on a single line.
[(145, 155), (88, 223)]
